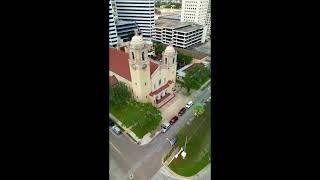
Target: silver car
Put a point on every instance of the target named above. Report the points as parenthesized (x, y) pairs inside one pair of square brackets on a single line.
[(165, 127), (116, 129), (172, 141)]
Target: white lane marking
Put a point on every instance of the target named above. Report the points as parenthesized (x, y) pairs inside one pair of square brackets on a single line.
[(118, 151)]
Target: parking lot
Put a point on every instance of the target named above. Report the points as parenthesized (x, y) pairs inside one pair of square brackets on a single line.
[(203, 48)]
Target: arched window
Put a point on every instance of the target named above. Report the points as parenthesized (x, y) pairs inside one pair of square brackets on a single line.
[(159, 82), (166, 60), (132, 55), (164, 80), (173, 61), (142, 56), (154, 86)]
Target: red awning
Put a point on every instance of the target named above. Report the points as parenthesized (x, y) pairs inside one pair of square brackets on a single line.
[(161, 88)]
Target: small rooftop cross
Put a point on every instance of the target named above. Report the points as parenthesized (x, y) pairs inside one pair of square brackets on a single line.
[(136, 32), (170, 43)]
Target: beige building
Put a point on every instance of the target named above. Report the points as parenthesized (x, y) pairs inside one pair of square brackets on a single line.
[(149, 81)]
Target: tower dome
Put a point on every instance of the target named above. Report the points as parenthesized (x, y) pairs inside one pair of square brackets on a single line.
[(137, 41), (170, 50)]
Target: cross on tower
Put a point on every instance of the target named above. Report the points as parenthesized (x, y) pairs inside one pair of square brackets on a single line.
[(136, 32)]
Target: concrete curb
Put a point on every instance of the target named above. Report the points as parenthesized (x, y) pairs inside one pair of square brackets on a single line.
[(177, 176), (126, 130)]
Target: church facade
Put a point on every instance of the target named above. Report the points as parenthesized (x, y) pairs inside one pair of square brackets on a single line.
[(148, 80)]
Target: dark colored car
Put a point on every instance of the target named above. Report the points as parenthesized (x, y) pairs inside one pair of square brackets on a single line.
[(172, 141), (182, 111), (174, 119), (111, 123)]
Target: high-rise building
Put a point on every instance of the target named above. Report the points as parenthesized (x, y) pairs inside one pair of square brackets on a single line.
[(181, 34), (194, 11), (140, 11), (114, 8), (113, 36), (125, 29), (208, 20)]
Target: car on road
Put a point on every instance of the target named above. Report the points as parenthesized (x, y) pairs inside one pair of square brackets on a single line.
[(165, 127), (189, 104), (173, 120), (172, 141), (209, 99), (182, 111), (111, 123), (116, 129)]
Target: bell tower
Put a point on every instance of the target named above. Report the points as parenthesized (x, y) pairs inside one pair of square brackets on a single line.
[(139, 68), (169, 60)]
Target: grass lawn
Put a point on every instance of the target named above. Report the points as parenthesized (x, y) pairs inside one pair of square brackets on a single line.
[(198, 146), (127, 115), (139, 131), (136, 112)]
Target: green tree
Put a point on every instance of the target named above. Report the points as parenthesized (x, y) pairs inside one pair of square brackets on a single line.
[(184, 59), (119, 95), (151, 118), (198, 109), (196, 77), (157, 11), (158, 47)]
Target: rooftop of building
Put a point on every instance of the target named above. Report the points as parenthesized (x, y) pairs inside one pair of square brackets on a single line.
[(176, 25), (173, 17), (122, 22), (171, 23), (119, 63), (189, 28)]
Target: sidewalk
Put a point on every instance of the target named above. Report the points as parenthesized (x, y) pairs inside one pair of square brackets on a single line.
[(165, 173), (126, 130), (146, 138)]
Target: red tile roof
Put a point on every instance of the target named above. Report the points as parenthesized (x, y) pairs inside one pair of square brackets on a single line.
[(153, 67), (161, 88), (113, 80), (119, 63)]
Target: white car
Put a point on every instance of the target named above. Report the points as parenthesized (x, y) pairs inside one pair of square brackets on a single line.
[(189, 104), (116, 129), (165, 127)]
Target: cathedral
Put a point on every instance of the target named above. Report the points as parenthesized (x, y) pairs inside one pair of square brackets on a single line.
[(149, 80)]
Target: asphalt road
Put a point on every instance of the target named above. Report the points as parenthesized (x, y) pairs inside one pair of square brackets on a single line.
[(143, 162)]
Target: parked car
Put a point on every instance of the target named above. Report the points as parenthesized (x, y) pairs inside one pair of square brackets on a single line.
[(111, 123), (172, 141), (182, 111), (116, 129), (173, 120), (189, 104), (165, 127)]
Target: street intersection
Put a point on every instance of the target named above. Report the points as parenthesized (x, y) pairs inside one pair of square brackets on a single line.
[(143, 162)]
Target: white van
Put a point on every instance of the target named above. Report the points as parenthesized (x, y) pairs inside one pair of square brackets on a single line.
[(189, 104)]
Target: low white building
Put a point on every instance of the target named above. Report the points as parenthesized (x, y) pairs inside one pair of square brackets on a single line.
[(182, 34)]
